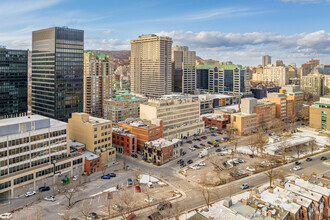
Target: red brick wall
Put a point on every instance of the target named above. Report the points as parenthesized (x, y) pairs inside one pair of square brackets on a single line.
[(129, 144), (89, 167), (216, 123), (167, 153)]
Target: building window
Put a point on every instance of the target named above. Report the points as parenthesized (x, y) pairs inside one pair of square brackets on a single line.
[(95, 129)]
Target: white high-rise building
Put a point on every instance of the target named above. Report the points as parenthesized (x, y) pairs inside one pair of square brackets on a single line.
[(151, 65), (266, 60), (278, 75), (184, 69)]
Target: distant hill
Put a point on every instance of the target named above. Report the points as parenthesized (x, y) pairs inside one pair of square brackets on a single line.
[(120, 54)]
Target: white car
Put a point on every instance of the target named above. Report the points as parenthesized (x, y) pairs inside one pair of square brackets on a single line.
[(202, 163), (195, 167), (28, 194), (192, 148), (250, 169), (297, 168), (150, 199), (6, 215), (50, 198), (75, 178)]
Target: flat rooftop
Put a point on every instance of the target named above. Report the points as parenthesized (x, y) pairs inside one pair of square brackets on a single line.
[(289, 143), (76, 144), (218, 117), (312, 187), (90, 156), (29, 118), (163, 142), (138, 123), (302, 191), (122, 131), (234, 108)]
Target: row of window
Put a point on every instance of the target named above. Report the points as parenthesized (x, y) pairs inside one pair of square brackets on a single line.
[(44, 172), (102, 140), (23, 179)]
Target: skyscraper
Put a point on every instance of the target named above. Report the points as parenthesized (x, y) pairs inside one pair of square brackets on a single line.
[(13, 82), (184, 69), (151, 66), (98, 70), (266, 60), (57, 72)]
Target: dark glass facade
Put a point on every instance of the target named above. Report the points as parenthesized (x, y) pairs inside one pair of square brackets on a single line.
[(202, 79), (57, 72), (13, 82)]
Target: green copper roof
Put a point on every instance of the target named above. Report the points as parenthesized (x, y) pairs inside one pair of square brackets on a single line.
[(226, 67), (100, 55)]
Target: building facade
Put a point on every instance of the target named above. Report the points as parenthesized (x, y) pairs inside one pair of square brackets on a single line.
[(122, 107), (161, 151), (181, 116), (144, 130), (98, 71), (202, 78), (313, 84), (184, 70), (275, 75), (319, 114), (266, 60), (34, 152), (96, 133), (228, 79), (151, 65), (218, 121), (57, 72), (124, 142), (13, 82)]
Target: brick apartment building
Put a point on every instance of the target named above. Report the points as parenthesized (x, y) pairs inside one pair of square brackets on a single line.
[(216, 120), (124, 142), (161, 151), (144, 130)]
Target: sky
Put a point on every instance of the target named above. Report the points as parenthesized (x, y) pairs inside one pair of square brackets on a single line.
[(241, 31)]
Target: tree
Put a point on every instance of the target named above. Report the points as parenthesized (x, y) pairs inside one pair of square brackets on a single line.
[(85, 207), (261, 140), (252, 144), (298, 150), (127, 201), (271, 174), (69, 192), (205, 191), (137, 174), (109, 203), (216, 162), (312, 146)]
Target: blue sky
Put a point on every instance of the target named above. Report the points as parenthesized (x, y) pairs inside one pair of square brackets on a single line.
[(237, 30)]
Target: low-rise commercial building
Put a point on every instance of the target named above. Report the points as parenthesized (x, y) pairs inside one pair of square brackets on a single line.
[(96, 133), (122, 106), (161, 150), (181, 116), (124, 142), (218, 121), (254, 114), (144, 130), (34, 152), (319, 114)]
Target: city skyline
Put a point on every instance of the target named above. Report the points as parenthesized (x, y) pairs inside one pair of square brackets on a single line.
[(289, 30)]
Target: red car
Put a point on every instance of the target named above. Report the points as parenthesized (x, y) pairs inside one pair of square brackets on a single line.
[(131, 216), (219, 132), (138, 189), (203, 137)]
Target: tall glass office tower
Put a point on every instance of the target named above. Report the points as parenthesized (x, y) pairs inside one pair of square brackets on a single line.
[(13, 82), (57, 72)]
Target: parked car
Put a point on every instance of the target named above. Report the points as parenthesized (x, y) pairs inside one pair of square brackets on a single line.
[(199, 139), (297, 168), (202, 163), (138, 189), (324, 158), (297, 163), (182, 165), (105, 177), (150, 199), (164, 205), (209, 142), (28, 194), (74, 178), (118, 207), (203, 145), (240, 160), (217, 140), (6, 215), (219, 132), (195, 167), (112, 174), (44, 188), (50, 198), (131, 216), (214, 134), (134, 155), (189, 142), (250, 169), (93, 215), (129, 182), (190, 161), (180, 161), (204, 137), (217, 145), (184, 153), (154, 216), (251, 156), (309, 159), (192, 148), (218, 150), (245, 186), (196, 146)]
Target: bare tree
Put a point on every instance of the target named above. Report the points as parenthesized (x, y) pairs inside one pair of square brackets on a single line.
[(298, 150), (66, 215), (85, 207), (137, 174), (205, 191), (127, 201), (271, 173), (261, 140), (109, 203), (252, 144), (216, 162), (312, 146), (283, 148), (230, 133), (69, 192)]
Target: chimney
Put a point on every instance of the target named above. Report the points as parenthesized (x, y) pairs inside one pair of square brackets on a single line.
[(325, 185), (258, 196), (270, 191), (294, 200), (292, 181), (244, 201), (269, 213)]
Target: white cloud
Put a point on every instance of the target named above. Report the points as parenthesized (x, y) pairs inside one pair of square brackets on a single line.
[(107, 44), (107, 32)]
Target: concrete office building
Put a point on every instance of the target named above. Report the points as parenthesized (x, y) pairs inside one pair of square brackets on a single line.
[(313, 84), (96, 133), (181, 116), (266, 60), (13, 82), (184, 70), (151, 65), (57, 72), (319, 114), (277, 75), (33, 149), (98, 71)]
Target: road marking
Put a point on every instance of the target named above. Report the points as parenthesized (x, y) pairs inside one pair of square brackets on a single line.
[(288, 173), (96, 194), (60, 213)]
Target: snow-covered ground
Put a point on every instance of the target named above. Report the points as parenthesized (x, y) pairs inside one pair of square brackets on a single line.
[(144, 179), (308, 133)]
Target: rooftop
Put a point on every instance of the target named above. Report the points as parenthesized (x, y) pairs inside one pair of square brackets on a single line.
[(76, 144), (289, 143), (122, 131), (249, 212), (89, 155), (235, 108), (218, 117), (312, 187), (293, 197), (161, 142), (29, 118), (91, 119), (138, 123), (226, 67), (302, 191)]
